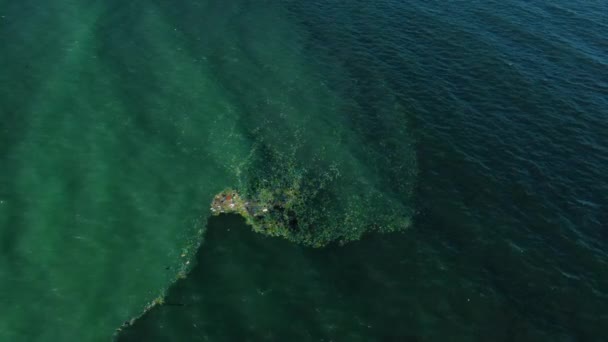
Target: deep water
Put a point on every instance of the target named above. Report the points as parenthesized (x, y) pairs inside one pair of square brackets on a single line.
[(453, 154)]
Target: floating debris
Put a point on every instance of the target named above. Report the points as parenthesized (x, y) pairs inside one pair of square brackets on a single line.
[(266, 214), (228, 201)]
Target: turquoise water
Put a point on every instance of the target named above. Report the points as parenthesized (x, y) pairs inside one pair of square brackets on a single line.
[(451, 154)]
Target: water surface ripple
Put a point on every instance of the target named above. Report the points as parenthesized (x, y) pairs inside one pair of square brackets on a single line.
[(483, 123)]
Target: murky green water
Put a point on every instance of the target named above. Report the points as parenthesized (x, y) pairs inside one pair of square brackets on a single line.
[(120, 123)]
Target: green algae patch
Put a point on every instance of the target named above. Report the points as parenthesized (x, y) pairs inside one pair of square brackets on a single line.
[(315, 197), (313, 205), (274, 213)]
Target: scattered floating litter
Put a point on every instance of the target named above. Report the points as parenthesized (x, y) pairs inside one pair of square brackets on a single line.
[(228, 202), (265, 214)]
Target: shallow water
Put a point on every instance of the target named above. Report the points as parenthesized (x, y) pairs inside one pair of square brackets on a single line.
[(484, 123)]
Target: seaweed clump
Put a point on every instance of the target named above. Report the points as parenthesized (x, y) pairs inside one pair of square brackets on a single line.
[(313, 205)]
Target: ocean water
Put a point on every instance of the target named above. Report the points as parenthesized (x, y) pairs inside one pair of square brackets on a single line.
[(449, 158)]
